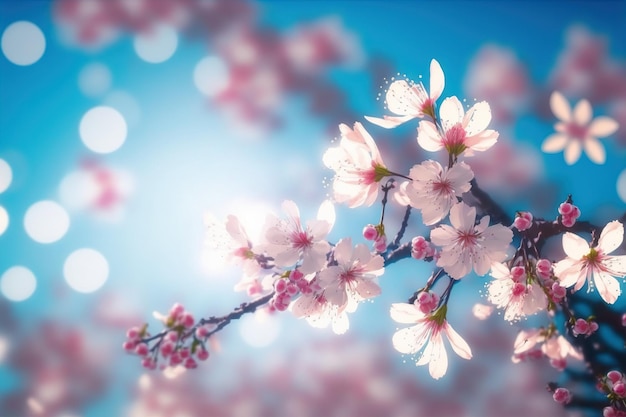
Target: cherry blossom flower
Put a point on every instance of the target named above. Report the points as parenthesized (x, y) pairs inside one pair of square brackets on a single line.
[(358, 167), (427, 335), (355, 272), (288, 242), (466, 245), (409, 100), (553, 346), (593, 264), (515, 292), (435, 189), (320, 313), (576, 130), (462, 132)]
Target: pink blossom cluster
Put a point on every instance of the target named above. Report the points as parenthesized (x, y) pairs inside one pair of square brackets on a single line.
[(584, 327), (562, 395), (377, 235), (182, 343), (523, 220), (421, 248)]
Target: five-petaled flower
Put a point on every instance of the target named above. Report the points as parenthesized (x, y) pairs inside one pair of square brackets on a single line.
[(358, 167), (409, 100), (435, 189), (514, 291), (594, 264), (354, 274), (576, 130), (288, 242), (466, 245), (460, 132), (427, 334)]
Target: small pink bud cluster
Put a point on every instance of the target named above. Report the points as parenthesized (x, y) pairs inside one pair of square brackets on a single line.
[(421, 248), (544, 269), (616, 383), (557, 292), (427, 301), (613, 412), (518, 275), (562, 395), (523, 220), (286, 287), (377, 234), (569, 213), (170, 344), (584, 327)]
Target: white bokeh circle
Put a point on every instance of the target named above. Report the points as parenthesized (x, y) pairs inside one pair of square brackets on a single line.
[(23, 43), (156, 45), (78, 190), (103, 129), (210, 76), (259, 330), (86, 270), (621, 185), (46, 221), (4, 220), (6, 175), (94, 79), (18, 283)]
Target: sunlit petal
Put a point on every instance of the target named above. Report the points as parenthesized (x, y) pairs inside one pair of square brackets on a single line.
[(560, 106), (603, 126), (611, 237), (572, 152), (608, 287), (583, 112), (437, 80), (554, 143), (389, 122), (575, 246), (451, 112)]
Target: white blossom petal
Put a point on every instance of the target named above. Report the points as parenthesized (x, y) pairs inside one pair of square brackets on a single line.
[(554, 143), (326, 212), (595, 150), (602, 126), (405, 313), (608, 287), (451, 112), (477, 118), (437, 80), (575, 246), (611, 237), (560, 106), (428, 137), (459, 345), (572, 152), (582, 112), (389, 122)]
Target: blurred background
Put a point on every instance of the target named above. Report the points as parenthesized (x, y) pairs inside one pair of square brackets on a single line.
[(124, 122)]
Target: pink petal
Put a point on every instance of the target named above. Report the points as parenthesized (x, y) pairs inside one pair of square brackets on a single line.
[(428, 137), (500, 271), (304, 306), (560, 106), (462, 216), (459, 345), (405, 313), (235, 230), (291, 209), (343, 251), (608, 287), (389, 122), (611, 237), (477, 118), (438, 365), (451, 112), (583, 112), (554, 143), (482, 141), (575, 247), (437, 80), (603, 126), (367, 289), (616, 265), (460, 176), (572, 152), (443, 235)]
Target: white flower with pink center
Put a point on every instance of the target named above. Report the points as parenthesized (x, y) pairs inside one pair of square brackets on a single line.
[(409, 100), (288, 242), (435, 189), (320, 313), (358, 167), (232, 241), (466, 245), (354, 274), (515, 292), (553, 346), (593, 265), (576, 131), (426, 336), (461, 132)]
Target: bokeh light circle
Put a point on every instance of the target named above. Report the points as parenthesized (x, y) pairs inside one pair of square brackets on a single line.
[(78, 190), (621, 185), (4, 220), (6, 175), (103, 129), (86, 270), (94, 79), (210, 76), (18, 283), (46, 221), (157, 45), (23, 43)]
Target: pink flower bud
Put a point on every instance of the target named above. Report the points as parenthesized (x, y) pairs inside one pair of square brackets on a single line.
[(566, 208), (133, 333), (187, 320), (171, 336), (184, 353), (614, 376), (202, 332), (296, 275), (148, 363), (175, 359), (518, 273), (190, 363), (558, 291), (523, 221), (562, 396), (519, 289), (202, 354), (558, 364), (280, 286), (142, 349), (129, 346), (292, 289), (620, 389), (568, 221), (370, 232), (176, 310), (254, 288), (167, 348)]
